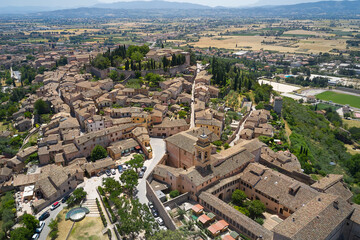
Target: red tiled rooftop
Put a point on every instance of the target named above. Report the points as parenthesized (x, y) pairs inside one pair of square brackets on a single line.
[(228, 237), (213, 229), (222, 224), (204, 219), (197, 208)]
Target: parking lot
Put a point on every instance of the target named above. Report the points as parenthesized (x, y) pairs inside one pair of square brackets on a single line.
[(91, 184)]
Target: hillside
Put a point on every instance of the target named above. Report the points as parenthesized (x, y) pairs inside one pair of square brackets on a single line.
[(138, 9), (156, 4)]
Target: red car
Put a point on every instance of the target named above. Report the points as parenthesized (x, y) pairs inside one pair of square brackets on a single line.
[(55, 205)]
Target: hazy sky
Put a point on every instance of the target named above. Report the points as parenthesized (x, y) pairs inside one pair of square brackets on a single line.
[(213, 3)]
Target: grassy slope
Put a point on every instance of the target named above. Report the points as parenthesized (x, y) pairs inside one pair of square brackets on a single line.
[(312, 132), (352, 100)]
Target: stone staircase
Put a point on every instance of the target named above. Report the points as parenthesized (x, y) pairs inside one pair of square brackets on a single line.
[(91, 205)]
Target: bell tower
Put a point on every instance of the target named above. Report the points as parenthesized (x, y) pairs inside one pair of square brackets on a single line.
[(202, 151)]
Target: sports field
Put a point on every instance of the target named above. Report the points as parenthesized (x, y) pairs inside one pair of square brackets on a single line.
[(340, 98)]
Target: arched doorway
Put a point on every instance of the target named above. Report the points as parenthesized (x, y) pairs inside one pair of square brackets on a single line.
[(221, 196)]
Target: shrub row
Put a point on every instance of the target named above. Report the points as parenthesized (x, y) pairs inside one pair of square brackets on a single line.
[(107, 205), (103, 219), (101, 191)]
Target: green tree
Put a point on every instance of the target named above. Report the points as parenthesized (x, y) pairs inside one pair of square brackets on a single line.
[(114, 75), (356, 198), (182, 114), (53, 225), (27, 114), (20, 233), (256, 208), (112, 186), (174, 193), (130, 179), (101, 62), (137, 56), (76, 197), (8, 219), (136, 162), (238, 197), (41, 107), (30, 222), (98, 152)]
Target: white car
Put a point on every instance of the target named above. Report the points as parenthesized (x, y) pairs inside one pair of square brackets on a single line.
[(160, 221), (113, 172), (41, 227), (55, 205), (35, 236)]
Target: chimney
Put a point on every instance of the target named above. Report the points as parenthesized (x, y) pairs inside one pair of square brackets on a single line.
[(336, 204)]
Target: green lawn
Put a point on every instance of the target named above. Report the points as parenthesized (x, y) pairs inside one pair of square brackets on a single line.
[(352, 100)]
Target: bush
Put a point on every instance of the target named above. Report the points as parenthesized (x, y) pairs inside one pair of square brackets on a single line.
[(103, 219), (243, 210), (174, 193), (101, 191), (107, 205), (217, 143), (259, 220)]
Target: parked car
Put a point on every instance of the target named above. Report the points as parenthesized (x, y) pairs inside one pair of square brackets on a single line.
[(141, 174), (44, 216), (151, 205), (35, 236), (121, 169), (41, 227), (113, 172), (55, 205), (65, 198), (143, 169), (160, 221), (154, 212), (108, 173), (164, 228), (124, 167)]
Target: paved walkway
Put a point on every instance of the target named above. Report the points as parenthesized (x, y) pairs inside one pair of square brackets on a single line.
[(158, 147), (240, 129)]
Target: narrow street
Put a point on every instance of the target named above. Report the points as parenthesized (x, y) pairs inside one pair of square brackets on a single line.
[(192, 117), (158, 146), (45, 232), (240, 129)]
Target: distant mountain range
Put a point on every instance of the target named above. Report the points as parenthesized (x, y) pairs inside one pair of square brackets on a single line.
[(140, 9), (155, 4)]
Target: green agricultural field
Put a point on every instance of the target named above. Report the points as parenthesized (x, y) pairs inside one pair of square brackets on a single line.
[(340, 98)]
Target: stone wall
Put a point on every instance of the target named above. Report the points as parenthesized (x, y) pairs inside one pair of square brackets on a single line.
[(99, 73), (177, 201), (151, 195), (233, 136)]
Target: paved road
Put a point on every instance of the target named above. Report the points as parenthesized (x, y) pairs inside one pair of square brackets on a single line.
[(45, 232), (90, 184), (158, 147), (240, 129), (192, 117)]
